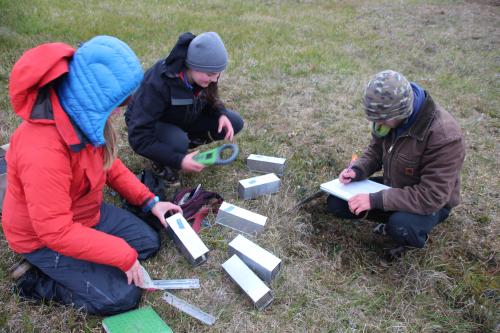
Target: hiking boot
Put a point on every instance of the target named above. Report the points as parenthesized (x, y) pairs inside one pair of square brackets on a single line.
[(34, 285), (157, 169), (25, 277), (195, 142), (380, 229), (394, 254), (170, 175), (20, 269)]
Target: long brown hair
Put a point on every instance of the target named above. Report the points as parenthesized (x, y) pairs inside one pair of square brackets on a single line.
[(111, 146), (212, 95)]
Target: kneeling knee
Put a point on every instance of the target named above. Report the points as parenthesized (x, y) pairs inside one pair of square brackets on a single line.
[(397, 230), (153, 245), (404, 234), (128, 301), (236, 121), (155, 241), (238, 125), (123, 298)]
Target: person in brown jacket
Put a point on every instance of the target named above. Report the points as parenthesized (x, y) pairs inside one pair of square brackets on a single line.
[(420, 148)]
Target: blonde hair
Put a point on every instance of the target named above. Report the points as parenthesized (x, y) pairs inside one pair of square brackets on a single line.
[(111, 146)]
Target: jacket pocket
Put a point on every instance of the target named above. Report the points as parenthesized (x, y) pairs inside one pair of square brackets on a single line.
[(406, 167)]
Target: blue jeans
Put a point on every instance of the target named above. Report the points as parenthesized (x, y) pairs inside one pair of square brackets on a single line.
[(99, 289), (202, 131), (407, 229)]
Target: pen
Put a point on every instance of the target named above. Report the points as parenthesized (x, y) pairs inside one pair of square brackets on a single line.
[(349, 168), (353, 159)]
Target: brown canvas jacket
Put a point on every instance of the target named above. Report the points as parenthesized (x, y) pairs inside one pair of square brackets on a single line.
[(422, 165)]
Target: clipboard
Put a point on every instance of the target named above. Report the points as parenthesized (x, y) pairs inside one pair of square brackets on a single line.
[(347, 191)]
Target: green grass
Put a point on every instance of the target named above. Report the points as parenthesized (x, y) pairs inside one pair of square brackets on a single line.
[(297, 69)]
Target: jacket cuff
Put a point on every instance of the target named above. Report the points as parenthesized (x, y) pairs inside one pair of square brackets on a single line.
[(359, 174), (222, 111), (129, 261), (150, 196), (150, 204), (377, 200), (216, 113), (177, 161)]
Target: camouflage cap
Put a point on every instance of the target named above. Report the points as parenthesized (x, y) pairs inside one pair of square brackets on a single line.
[(388, 95)]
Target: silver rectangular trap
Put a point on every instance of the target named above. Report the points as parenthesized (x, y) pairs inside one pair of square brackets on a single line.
[(176, 284), (187, 240), (188, 308), (256, 186), (149, 283), (265, 264), (245, 278), (240, 219), (266, 164)]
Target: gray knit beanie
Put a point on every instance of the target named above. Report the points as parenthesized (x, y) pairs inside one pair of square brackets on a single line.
[(388, 95), (206, 53)]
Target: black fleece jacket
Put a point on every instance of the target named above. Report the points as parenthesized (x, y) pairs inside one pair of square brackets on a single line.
[(163, 96)]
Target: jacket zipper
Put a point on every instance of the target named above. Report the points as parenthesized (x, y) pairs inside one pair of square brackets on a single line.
[(390, 157)]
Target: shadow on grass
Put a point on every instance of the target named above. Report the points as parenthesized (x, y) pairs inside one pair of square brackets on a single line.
[(352, 240)]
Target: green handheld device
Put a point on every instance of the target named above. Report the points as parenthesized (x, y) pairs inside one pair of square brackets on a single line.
[(214, 156)]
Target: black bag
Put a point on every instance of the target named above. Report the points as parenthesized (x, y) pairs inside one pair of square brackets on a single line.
[(156, 185)]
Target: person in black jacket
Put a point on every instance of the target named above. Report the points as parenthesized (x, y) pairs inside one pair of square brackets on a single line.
[(177, 105)]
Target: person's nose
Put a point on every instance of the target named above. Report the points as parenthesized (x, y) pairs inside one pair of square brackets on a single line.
[(214, 77)]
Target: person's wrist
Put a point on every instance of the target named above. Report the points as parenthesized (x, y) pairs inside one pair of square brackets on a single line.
[(151, 203)]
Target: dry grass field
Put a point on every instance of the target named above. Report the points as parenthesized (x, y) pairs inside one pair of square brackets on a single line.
[(297, 69)]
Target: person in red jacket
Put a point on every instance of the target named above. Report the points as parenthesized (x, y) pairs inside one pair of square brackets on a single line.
[(84, 253)]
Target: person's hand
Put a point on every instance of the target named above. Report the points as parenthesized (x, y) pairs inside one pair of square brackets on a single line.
[(225, 124), (134, 274), (359, 203), (190, 165), (347, 175), (163, 207)]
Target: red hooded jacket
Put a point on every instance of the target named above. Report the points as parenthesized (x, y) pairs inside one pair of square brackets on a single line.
[(55, 181)]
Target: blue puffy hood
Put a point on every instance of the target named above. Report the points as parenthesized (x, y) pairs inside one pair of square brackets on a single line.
[(102, 73)]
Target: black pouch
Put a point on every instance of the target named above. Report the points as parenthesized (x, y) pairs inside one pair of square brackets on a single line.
[(157, 186)]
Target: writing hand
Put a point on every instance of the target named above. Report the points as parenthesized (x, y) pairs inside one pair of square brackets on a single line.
[(347, 175)]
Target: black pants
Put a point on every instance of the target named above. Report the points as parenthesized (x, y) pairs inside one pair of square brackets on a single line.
[(202, 131), (407, 229), (99, 289)]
